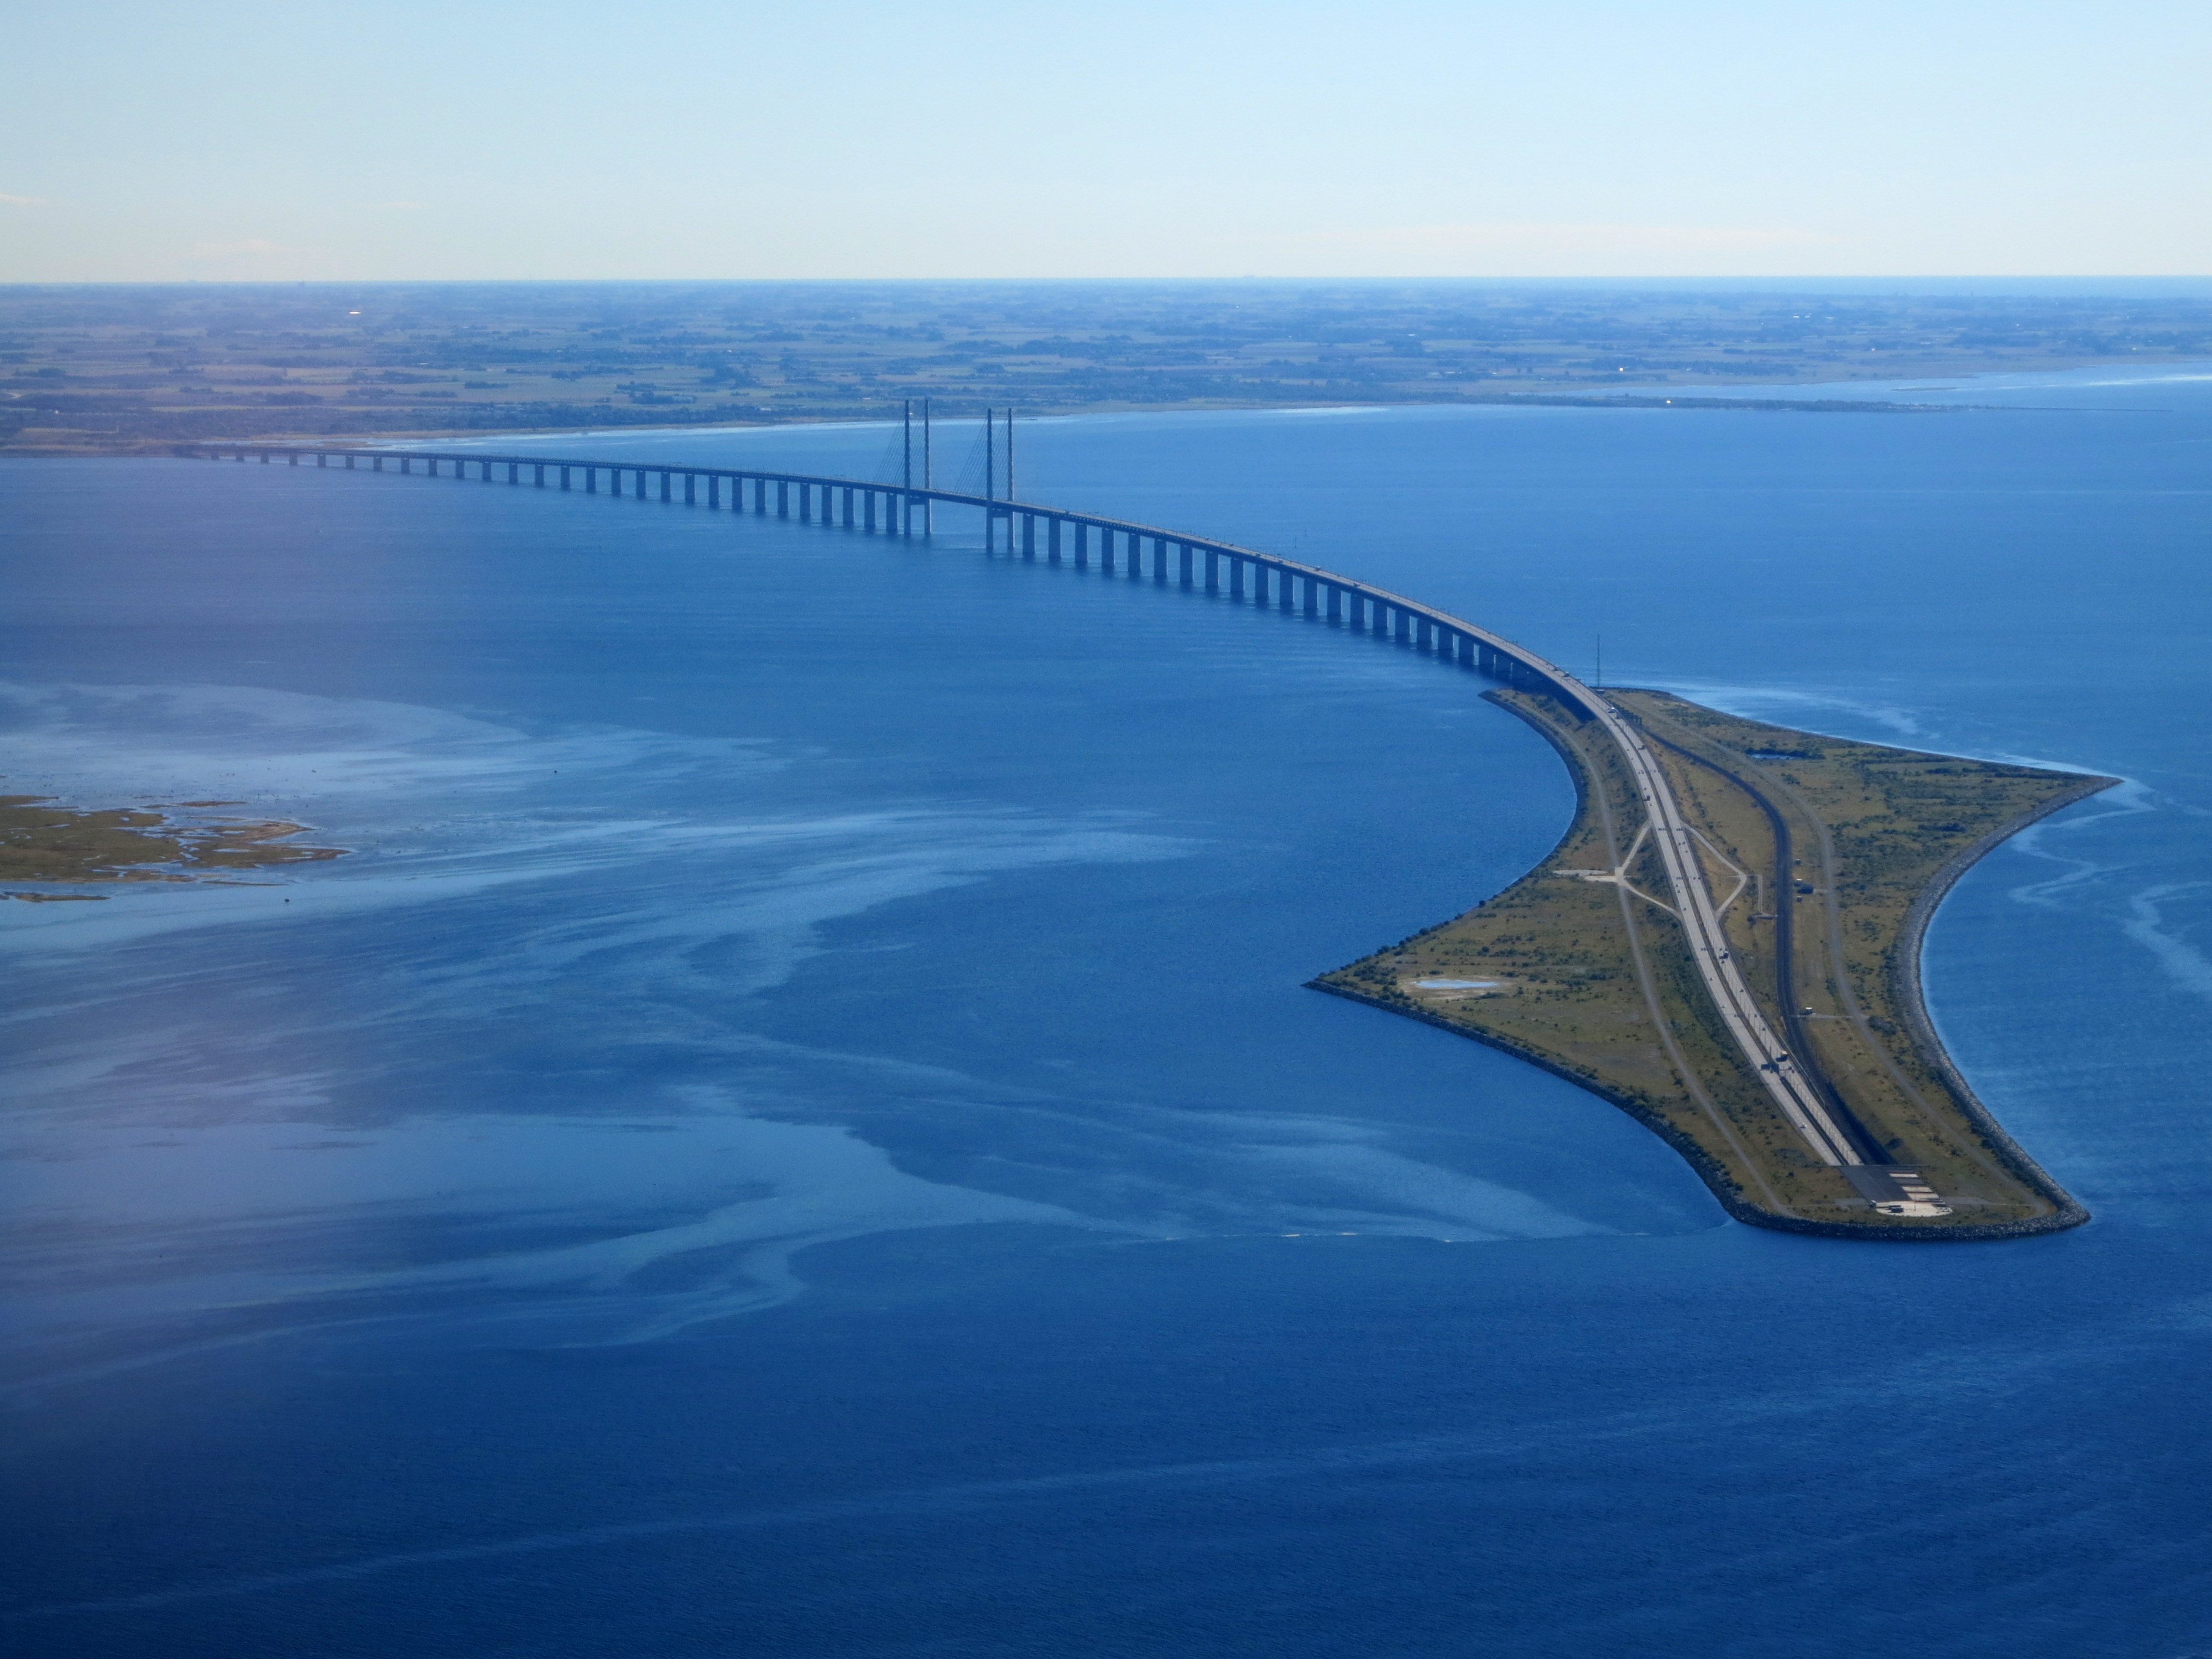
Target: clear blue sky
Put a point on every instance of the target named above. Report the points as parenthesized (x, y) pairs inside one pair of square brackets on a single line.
[(977, 138)]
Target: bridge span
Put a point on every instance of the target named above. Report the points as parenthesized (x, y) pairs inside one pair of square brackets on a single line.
[(1121, 547)]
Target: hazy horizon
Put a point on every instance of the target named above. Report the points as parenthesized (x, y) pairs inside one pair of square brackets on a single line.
[(990, 140)]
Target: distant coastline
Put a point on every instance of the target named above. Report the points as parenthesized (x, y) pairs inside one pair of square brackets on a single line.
[(130, 369)]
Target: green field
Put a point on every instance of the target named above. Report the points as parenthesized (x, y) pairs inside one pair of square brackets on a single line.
[(1835, 853)]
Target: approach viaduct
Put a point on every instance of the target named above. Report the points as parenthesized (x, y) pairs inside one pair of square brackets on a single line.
[(1121, 548)]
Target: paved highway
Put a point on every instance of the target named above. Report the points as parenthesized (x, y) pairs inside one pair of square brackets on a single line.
[(1792, 1091)]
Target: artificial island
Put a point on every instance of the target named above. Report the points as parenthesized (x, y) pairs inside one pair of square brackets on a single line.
[(1726, 943), (1738, 966)]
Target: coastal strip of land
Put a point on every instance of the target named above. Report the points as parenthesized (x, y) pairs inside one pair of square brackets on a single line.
[(1822, 859), (131, 368)]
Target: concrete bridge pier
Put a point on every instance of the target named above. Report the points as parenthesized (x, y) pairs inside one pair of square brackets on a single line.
[(1182, 566), (1052, 540), (1212, 571), (1082, 547)]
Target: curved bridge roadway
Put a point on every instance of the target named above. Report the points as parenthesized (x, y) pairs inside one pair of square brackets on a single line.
[(899, 509)]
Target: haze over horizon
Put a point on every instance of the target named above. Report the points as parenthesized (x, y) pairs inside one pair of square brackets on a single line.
[(253, 142)]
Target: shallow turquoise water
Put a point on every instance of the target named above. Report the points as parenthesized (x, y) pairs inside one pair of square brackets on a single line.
[(797, 1131)]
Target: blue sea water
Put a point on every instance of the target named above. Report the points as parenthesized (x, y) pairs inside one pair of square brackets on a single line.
[(796, 1131)]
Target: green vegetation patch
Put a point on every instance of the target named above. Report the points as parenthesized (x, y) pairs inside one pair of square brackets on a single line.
[(39, 842)]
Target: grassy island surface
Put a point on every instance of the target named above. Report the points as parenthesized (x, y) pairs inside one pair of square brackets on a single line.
[(42, 843), (1826, 857)]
